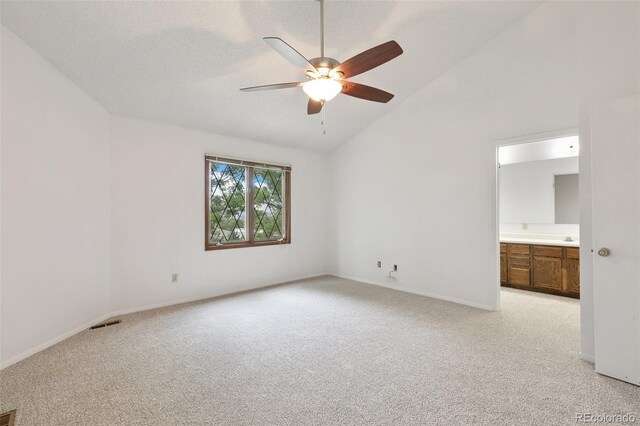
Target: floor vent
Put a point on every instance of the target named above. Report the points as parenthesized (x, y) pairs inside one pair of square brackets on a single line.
[(8, 418), (104, 324)]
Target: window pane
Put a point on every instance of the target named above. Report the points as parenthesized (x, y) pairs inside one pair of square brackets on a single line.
[(227, 203), (268, 204)]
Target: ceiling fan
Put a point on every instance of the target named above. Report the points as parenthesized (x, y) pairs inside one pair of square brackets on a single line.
[(326, 77)]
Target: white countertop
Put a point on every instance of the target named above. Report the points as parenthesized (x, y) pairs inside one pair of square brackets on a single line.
[(541, 239), (542, 242)]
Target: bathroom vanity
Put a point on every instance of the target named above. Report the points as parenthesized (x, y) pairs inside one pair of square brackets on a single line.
[(545, 266)]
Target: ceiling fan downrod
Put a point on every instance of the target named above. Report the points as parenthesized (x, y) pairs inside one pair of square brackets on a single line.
[(322, 29)]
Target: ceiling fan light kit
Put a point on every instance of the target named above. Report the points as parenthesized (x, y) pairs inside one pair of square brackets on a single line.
[(322, 89), (327, 76)]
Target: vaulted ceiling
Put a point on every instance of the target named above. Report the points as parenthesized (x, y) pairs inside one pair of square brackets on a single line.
[(182, 63)]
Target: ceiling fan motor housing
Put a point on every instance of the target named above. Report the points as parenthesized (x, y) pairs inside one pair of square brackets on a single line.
[(324, 62)]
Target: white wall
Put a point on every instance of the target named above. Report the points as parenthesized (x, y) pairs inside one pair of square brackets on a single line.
[(418, 187), (527, 193), (55, 203), (158, 220), (609, 68)]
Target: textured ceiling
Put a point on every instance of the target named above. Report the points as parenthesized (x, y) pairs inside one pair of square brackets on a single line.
[(183, 62)]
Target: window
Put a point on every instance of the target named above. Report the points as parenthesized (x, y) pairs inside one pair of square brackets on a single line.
[(247, 204)]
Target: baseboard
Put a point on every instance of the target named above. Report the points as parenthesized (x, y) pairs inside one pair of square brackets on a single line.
[(211, 296), (51, 342), (101, 318), (418, 292), (588, 357)]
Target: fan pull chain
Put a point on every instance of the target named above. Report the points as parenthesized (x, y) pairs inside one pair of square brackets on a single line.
[(324, 107)]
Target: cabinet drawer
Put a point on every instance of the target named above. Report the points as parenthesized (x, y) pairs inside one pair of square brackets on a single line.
[(547, 251), (503, 248), (573, 253), (518, 249), (519, 261), (519, 276)]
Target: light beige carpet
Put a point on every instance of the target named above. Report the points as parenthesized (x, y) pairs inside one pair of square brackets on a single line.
[(321, 351)]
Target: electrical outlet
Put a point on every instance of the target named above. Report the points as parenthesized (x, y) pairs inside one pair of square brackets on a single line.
[(174, 277), (379, 264), (395, 268)]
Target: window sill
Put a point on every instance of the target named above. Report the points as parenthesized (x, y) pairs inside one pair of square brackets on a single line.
[(210, 247)]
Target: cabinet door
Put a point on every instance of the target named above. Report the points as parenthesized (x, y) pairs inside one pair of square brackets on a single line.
[(503, 268), (547, 272), (572, 268)]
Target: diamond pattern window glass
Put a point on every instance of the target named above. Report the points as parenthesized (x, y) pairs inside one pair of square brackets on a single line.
[(268, 204), (247, 204), (227, 203)]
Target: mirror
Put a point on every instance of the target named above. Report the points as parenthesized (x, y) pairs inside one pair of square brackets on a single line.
[(543, 191), (567, 202)]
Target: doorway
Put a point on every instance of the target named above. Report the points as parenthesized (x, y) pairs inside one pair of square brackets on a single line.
[(538, 214)]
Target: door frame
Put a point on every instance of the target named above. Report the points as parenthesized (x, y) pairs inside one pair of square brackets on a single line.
[(518, 140)]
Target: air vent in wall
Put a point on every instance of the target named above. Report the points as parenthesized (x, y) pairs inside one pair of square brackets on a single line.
[(8, 418), (106, 324)]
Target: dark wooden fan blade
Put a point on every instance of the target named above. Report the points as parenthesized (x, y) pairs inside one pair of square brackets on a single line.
[(272, 87), (314, 107), (366, 92), (289, 53), (370, 59)]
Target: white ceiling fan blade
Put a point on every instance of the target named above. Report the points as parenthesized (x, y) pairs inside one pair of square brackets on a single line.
[(289, 53), (271, 87)]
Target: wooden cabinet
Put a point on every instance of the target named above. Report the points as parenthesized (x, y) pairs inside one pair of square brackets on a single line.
[(503, 264), (548, 269)]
